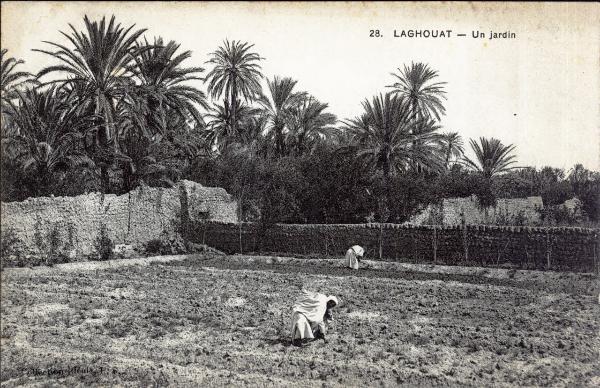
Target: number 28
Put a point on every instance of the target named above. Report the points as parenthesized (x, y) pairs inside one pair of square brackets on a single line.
[(374, 33)]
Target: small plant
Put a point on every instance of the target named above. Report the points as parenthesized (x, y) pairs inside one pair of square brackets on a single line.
[(154, 246), (104, 245), (8, 242), (54, 253), (167, 244), (520, 219), (70, 244), (10, 254), (38, 238)]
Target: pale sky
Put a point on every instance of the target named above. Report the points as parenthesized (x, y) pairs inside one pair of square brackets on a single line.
[(539, 91)]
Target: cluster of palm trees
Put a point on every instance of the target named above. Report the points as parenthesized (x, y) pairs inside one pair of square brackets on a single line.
[(124, 109), (399, 131)]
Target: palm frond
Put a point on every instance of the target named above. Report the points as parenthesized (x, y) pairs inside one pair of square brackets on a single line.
[(416, 83), (388, 136), (491, 157)]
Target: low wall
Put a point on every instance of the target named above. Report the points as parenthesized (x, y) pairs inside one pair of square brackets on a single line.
[(571, 249), (452, 211), (136, 217)]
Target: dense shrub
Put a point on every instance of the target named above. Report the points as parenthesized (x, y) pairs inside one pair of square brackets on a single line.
[(10, 253), (9, 242), (167, 244), (50, 248), (154, 246), (557, 193), (50, 245), (558, 215), (589, 195), (104, 245), (337, 189), (55, 254)]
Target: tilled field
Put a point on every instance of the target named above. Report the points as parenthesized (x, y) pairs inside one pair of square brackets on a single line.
[(223, 321)]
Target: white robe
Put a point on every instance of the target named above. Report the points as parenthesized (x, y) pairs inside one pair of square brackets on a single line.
[(352, 256), (308, 314)]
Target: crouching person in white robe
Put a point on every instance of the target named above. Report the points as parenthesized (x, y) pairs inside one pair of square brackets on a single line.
[(311, 311), (353, 256)]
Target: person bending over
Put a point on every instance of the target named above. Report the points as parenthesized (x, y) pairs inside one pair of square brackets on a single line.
[(354, 255), (310, 314)]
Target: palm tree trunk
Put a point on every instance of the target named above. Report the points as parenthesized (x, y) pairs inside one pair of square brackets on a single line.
[(279, 146), (388, 186), (103, 137), (127, 177), (240, 216), (234, 107), (415, 118), (300, 144), (104, 179), (386, 170), (44, 174)]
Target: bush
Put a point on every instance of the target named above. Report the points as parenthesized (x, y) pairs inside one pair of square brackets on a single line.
[(556, 193), (511, 185), (8, 242), (10, 253), (50, 249), (590, 200), (48, 245), (409, 194), (54, 244), (154, 246), (167, 244), (104, 245), (561, 216)]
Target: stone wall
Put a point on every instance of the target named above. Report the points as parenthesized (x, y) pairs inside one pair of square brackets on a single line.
[(507, 211), (136, 217), (572, 249)]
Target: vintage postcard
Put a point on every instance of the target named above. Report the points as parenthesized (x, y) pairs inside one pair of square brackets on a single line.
[(300, 194)]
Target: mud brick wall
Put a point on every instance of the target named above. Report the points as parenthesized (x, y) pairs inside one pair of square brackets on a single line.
[(136, 217), (569, 249), (452, 211)]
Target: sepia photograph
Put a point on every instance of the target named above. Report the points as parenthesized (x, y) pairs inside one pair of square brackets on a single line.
[(299, 194)]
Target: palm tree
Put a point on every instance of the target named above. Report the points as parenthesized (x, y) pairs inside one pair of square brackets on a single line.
[(586, 187), (253, 140), (452, 146), (578, 177), (150, 162), (11, 81), (416, 84), (552, 174), (155, 110), (236, 75), (491, 157), (161, 77), (308, 125), (385, 136), (223, 129), (278, 106), (49, 134), (100, 65)]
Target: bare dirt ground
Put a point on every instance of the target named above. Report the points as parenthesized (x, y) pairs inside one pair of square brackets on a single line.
[(220, 321)]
